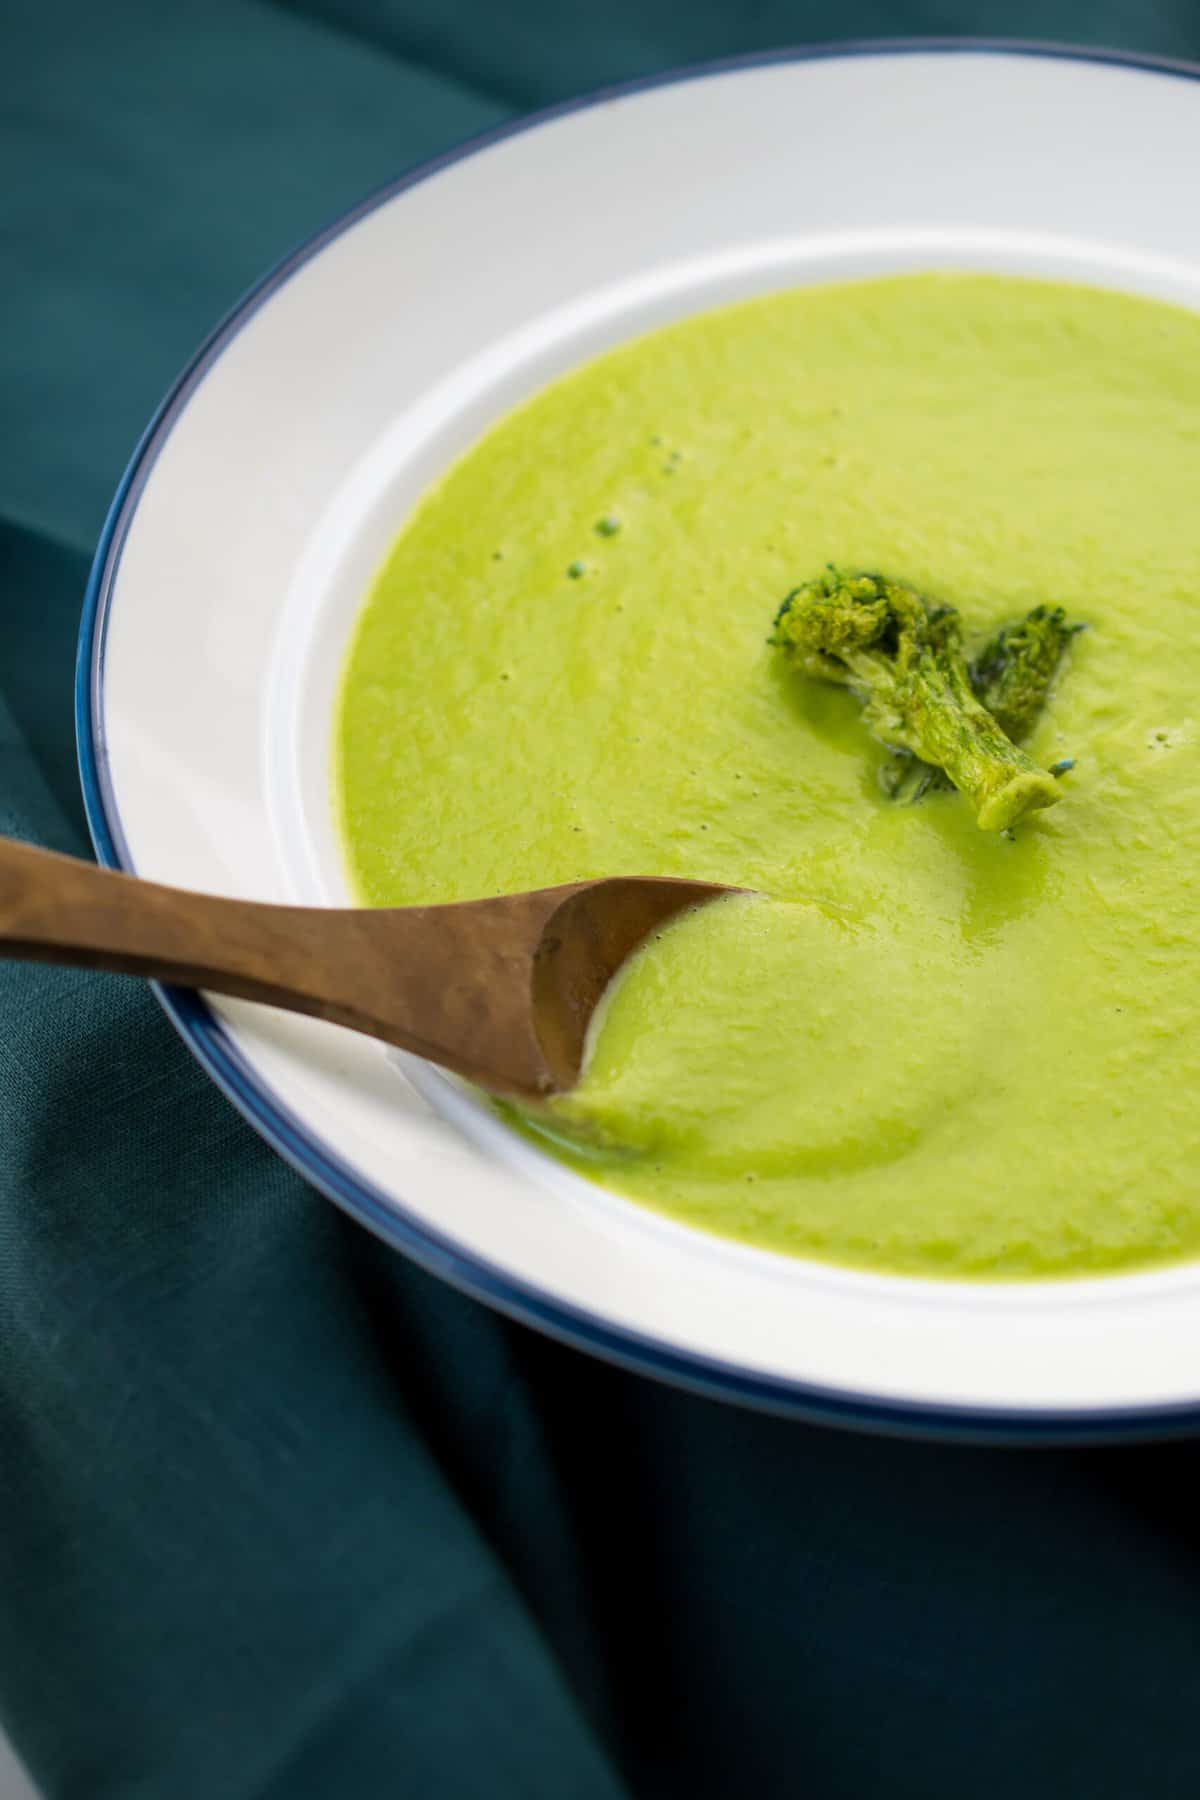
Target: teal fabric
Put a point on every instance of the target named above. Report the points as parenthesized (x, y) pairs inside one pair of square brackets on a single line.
[(279, 1515)]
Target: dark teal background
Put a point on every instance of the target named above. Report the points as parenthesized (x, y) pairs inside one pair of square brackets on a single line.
[(279, 1515)]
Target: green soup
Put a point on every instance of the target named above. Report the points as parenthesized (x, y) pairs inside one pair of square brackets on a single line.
[(925, 1048)]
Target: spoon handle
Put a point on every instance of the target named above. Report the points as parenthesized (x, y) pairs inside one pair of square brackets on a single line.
[(59, 909), (451, 983)]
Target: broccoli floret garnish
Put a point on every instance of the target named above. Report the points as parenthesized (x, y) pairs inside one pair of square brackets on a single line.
[(903, 657), (1014, 671)]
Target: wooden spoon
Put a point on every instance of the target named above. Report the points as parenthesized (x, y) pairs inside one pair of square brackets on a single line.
[(500, 991)]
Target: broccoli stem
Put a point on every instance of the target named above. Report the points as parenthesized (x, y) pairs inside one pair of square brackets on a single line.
[(1012, 677), (903, 656)]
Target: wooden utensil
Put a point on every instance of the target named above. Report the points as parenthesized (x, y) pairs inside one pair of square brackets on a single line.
[(500, 990)]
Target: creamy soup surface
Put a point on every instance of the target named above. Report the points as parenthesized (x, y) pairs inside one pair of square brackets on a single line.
[(923, 1048)]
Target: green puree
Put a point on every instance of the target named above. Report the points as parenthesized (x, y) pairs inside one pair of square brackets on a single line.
[(928, 1048)]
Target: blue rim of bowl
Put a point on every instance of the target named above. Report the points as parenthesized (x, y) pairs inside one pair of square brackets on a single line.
[(219, 1055)]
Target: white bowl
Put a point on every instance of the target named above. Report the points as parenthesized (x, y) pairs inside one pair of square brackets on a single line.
[(268, 488)]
